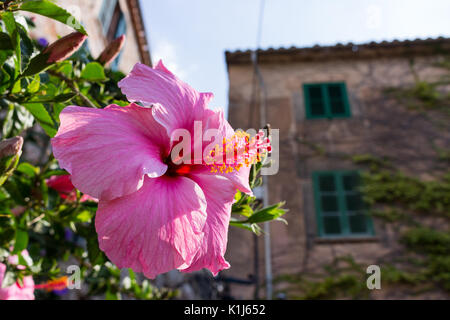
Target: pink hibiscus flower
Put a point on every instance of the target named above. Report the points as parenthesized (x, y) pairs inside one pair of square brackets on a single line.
[(63, 185), (154, 215), (17, 291)]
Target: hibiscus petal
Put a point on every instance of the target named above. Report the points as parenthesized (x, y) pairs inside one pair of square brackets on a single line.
[(156, 229), (216, 120), (240, 179), (108, 151), (219, 201), (181, 104)]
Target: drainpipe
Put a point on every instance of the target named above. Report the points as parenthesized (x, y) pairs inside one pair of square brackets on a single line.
[(265, 192), (267, 248)]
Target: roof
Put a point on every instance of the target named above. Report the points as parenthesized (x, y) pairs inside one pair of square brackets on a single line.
[(139, 30), (415, 47)]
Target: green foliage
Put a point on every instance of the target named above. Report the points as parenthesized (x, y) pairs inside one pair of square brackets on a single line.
[(443, 154), (93, 71), (374, 163), (404, 201), (249, 209), (423, 95), (389, 214), (426, 240), (395, 188), (426, 92), (342, 278), (394, 275)]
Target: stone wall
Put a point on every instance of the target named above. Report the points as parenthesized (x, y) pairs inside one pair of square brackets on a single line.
[(379, 125)]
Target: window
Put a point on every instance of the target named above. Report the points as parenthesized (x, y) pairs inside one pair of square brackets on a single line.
[(326, 100), (113, 23), (340, 209), (106, 14)]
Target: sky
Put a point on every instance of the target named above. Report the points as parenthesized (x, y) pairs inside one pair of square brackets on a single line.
[(191, 36)]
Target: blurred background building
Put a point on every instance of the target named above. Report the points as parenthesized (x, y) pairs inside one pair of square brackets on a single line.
[(332, 104), (104, 20)]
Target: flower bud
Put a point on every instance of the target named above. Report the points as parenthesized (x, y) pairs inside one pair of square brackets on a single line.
[(112, 50), (64, 47), (10, 151)]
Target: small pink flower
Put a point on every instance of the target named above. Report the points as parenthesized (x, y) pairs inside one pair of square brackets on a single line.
[(153, 215), (17, 291), (63, 185)]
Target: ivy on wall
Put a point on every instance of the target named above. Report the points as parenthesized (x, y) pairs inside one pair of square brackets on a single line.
[(417, 210)]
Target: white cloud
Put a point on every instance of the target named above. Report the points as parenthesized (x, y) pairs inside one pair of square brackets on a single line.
[(166, 51)]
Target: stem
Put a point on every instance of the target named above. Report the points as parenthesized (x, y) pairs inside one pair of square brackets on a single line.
[(72, 85)]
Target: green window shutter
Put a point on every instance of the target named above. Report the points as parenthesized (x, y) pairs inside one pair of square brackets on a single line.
[(315, 100), (340, 209), (326, 100)]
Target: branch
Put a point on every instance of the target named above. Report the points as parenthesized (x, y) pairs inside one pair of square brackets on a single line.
[(72, 85)]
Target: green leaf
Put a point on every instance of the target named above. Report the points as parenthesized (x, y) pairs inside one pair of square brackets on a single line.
[(17, 119), (28, 169), (5, 42), (244, 210), (33, 87), (51, 10), (11, 27), (18, 189), (42, 117), (112, 295), (273, 212), (27, 47), (37, 64), (95, 255), (63, 97), (65, 67), (17, 87), (93, 71), (5, 76), (21, 242), (84, 216), (56, 172), (8, 122), (238, 196), (247, 226), (7, 167), (131, 274), (120, 103)]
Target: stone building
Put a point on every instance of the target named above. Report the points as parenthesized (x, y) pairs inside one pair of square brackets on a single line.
[(331, 103), (104, 21)]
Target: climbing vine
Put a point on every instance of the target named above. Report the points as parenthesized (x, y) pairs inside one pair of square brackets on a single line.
[(418, 210)]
